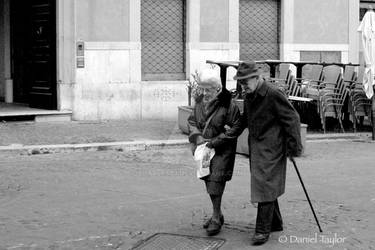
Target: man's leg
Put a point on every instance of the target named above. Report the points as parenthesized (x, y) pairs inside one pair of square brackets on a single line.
[(264, 221), (277, 221), (264, 217)]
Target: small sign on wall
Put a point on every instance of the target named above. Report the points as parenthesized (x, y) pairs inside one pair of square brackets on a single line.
[(80, 62), (80, 48), (80, 54)]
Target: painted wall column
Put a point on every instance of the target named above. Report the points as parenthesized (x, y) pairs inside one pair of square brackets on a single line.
[(66, 53), (287, 52), (192, 32), (234, 40), (135, 39), (353, 16)]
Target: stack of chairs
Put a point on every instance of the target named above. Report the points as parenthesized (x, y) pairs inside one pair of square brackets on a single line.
[(332, 93), (310, 82), (360, 105), (293, 88), (282, 77)]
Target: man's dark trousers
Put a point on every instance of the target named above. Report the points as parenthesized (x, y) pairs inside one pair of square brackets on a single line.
[(268, 217)]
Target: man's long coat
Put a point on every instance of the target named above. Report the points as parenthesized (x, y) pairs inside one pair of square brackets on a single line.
[(274, 133)]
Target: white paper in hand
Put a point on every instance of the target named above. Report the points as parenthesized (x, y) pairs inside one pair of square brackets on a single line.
[(203, 169)]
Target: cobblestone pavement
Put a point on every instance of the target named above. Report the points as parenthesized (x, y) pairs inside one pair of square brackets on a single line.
[(110, 200)]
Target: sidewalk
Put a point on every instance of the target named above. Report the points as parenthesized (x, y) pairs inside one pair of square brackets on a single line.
[(34, 138)]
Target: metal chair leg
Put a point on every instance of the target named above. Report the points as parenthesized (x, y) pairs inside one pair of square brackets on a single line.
[(342, 127)]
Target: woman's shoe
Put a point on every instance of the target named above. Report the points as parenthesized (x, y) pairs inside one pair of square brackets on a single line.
[(213, 228), (205, 225)]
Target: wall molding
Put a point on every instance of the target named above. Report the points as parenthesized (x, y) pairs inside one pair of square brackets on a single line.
[(213, 46), (315, 47), (112, 45)]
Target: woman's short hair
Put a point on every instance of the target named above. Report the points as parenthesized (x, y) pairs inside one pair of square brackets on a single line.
[(209, 77)]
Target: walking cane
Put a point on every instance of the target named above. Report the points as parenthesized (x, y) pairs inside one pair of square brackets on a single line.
[(307, 196)]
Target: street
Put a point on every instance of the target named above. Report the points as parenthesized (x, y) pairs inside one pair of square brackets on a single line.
[(112, 199)]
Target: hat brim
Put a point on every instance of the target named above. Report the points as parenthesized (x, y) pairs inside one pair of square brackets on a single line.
[(246, 76)]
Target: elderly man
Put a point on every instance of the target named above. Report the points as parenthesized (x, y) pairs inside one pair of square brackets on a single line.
[(215, 120), (274, 135)]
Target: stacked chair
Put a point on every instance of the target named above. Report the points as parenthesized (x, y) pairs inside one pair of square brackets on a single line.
[(332, 93), (282, 77), (310, 82), (294, 88), (360, 105), (326, 87)]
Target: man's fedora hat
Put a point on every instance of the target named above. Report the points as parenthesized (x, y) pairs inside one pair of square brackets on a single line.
[(246, 70)]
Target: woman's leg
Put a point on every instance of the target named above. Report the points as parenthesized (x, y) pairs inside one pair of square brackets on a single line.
[(216, 205), (215, 190)]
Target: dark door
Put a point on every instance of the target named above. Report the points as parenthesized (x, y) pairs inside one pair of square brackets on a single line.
[(34, 69), (43, 54), (20, 20)]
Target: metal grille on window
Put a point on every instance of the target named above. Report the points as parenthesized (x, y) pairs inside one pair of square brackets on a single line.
[(163, 39), (259, 22)]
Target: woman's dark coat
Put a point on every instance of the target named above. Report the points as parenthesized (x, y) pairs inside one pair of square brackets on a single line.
[(274, 133), (223, 141)]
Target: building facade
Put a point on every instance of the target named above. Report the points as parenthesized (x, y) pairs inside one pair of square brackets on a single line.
[(130, 59)]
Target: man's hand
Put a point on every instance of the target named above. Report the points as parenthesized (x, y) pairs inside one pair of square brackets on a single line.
[(200, 140), (193, 147)]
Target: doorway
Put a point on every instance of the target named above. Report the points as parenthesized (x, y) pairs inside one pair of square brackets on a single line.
[(33, 52)]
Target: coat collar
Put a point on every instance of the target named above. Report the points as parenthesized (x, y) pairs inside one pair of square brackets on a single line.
[(262, 88), (223, 99)]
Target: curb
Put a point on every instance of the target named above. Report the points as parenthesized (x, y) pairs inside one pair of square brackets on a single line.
[(118, 146), (140, 145)]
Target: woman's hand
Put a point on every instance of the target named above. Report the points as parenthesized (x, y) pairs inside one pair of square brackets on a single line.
[(206, 157)]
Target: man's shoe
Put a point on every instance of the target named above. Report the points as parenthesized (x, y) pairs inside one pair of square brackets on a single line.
[(213, 228), (205, 225), (259, 238)]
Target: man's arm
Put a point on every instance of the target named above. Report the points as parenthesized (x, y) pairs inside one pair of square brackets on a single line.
[(290, 122), (235, 128)]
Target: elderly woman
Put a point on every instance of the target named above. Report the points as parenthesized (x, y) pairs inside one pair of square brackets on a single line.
[(216, 108)]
